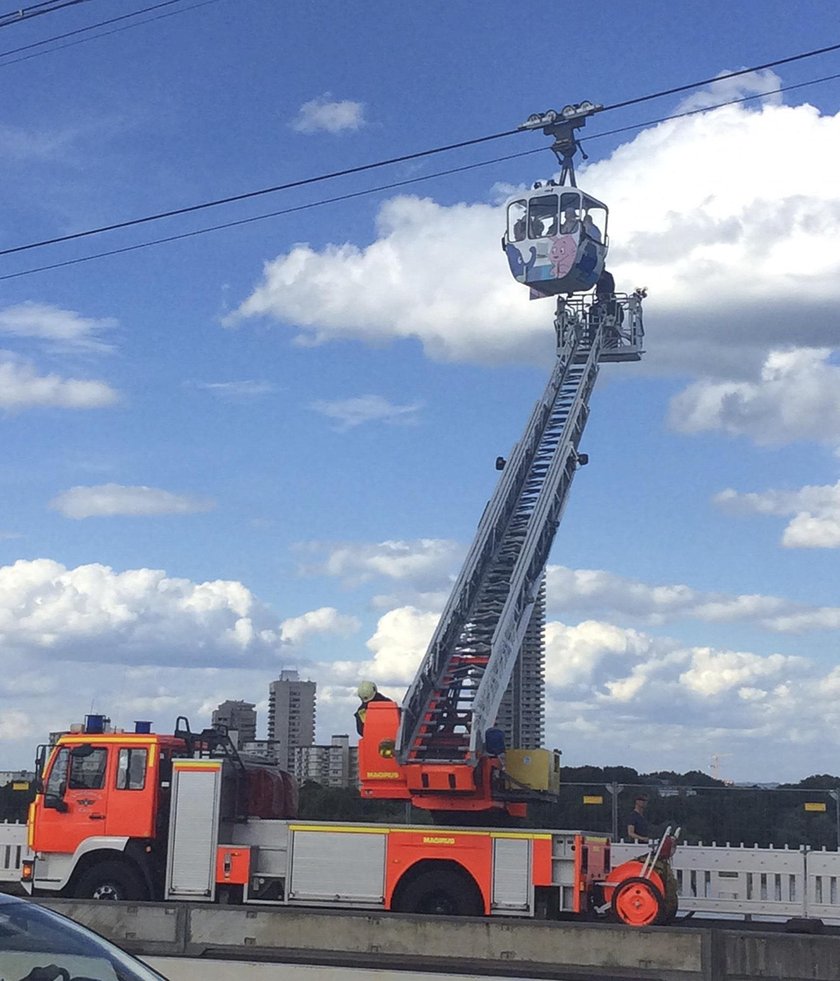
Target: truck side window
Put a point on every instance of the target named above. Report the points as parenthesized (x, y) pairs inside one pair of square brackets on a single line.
[(58, 774), (131, 769), (88, 772)]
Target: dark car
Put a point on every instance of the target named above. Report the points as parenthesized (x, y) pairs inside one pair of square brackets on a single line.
[(37, 944)]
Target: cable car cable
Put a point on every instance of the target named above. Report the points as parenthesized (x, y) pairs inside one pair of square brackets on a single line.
[(91, 27), (248, 195), (273, 214), (27, 13), (362, 168), (387, 187), (721, 78)]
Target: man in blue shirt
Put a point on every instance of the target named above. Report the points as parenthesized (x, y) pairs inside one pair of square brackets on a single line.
[(638, 828)]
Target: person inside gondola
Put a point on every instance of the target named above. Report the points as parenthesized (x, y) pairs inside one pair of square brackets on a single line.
[(570, 222), (591, 229)]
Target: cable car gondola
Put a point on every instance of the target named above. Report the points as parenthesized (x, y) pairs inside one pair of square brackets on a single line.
[(556, 238)]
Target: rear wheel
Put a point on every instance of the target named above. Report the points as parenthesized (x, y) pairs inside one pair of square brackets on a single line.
[(638, 902), (114, 881), (444, 892)]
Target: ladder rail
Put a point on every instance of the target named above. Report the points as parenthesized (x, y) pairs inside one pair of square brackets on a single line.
[(513, 499), (532, 560)]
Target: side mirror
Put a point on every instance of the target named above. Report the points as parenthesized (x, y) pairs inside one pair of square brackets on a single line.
[(40, 762), (56, 804)]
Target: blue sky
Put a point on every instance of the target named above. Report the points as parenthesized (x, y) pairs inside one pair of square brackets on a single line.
[(269, 446)]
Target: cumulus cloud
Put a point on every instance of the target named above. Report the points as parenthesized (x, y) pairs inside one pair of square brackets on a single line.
[(139, 616), (108, 500), (349, 413), (326, 620), (595, 591), (61, 329), (728, 89), (795, 397), (402, 286), (22, 387), (740, 262), (328, 115), (815, 510)]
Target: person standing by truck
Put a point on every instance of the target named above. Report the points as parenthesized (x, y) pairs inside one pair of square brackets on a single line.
[(638, 827)]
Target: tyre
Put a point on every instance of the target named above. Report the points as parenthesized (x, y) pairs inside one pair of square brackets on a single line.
[(445, 892), (638, 902), (115, 881)]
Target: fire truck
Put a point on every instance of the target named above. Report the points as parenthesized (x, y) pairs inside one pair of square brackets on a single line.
[(146, 816), (139, 816)]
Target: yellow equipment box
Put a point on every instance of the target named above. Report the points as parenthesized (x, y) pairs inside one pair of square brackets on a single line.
[(538, 769)]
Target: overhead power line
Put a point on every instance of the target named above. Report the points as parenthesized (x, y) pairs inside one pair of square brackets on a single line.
[(93, 27), (404, 158), (37, 10), (193, 233)]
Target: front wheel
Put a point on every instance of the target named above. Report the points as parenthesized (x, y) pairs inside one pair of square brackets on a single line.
[(443, 892), (113, 881), (638, 902)]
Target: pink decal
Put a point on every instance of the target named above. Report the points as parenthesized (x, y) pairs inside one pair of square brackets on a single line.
[(562, 253)]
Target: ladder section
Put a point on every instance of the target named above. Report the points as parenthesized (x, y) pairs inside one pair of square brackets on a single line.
[(458, 688)]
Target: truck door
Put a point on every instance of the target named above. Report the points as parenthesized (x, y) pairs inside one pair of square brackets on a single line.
[(132, 795), (73, 807)]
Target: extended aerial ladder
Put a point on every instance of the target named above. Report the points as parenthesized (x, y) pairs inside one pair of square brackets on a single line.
[(432, 751)]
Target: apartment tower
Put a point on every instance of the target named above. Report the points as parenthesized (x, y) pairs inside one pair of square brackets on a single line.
[(291, 716)]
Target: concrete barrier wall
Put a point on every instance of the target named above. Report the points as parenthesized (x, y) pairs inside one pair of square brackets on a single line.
[(512, 948)]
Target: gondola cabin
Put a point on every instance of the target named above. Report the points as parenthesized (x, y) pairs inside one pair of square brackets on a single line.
[(556, 239)]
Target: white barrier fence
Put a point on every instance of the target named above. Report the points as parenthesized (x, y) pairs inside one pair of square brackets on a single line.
[(13, 850), (764, 883)]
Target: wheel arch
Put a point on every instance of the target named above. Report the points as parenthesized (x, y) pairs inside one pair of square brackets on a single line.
[(129, 857), (425, 866)]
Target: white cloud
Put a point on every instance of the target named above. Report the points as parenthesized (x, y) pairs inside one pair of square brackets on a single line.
[(91, 613), (348, 413), (422, 563), (728, 89), (740, 261), (107, 500), (21, 387), (61, 329), (325, 114), (595, 591), (238, 391), (398, 645), (816, 512), (403, 286), (794, 398), (326, 620)]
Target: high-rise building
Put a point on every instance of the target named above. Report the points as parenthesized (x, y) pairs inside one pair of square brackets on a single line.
[(291, 716), (521, 715), (240, 719), (336, 765)]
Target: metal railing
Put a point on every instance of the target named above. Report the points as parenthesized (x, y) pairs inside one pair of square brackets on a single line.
[(751, 882), (13, 850)]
